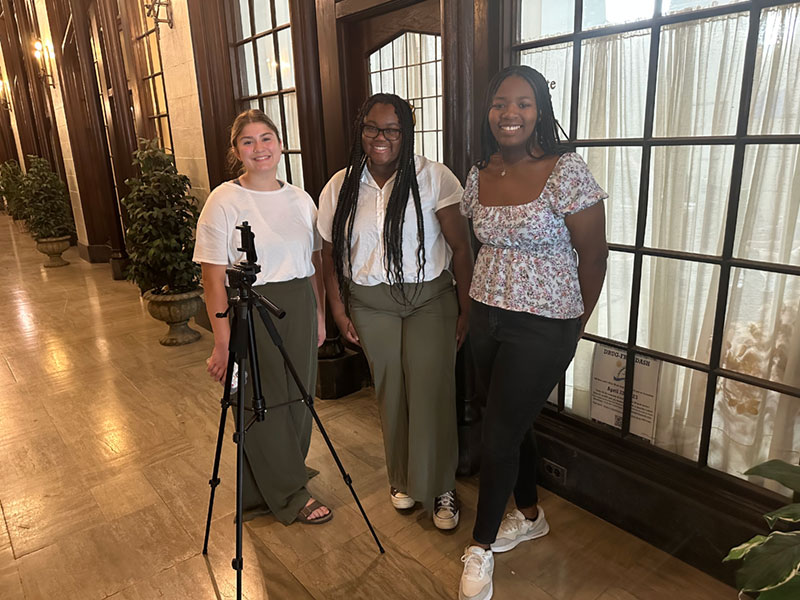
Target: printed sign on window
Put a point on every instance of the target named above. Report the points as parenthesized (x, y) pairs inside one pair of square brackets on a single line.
[(608, 390)]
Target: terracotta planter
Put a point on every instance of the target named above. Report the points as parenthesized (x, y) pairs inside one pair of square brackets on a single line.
[(53, 247), (176, 310)]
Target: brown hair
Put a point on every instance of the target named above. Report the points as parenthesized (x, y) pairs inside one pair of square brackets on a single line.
[(252, 115)]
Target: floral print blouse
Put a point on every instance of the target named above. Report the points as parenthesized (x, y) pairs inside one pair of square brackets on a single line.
[(527, 262)]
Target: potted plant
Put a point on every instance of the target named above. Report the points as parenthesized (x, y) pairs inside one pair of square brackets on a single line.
[(11, 187), (47, 211), (160, 241), (771, 564)]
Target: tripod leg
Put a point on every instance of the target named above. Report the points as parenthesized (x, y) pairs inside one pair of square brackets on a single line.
[(239, 439), (309, 402), (214, 481)]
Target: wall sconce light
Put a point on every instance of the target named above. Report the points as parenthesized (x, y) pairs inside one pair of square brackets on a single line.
[(154, 11), (4, 103), (43, 54)]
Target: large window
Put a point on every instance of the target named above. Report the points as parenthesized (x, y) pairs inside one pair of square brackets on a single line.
[(264, 72), (411, 67), (147, 48), (688, 113)]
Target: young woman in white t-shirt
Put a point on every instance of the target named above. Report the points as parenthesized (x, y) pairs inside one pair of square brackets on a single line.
[(394, 245), (283, 219)]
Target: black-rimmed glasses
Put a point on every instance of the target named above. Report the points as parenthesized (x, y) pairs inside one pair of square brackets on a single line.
[(390, 133)]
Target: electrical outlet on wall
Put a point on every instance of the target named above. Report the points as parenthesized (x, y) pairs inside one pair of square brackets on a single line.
[(555, 471)]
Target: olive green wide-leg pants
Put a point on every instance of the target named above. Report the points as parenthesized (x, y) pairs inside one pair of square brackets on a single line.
[(275, 474), (411, 350)]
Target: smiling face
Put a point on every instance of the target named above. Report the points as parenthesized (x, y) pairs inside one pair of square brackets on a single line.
[(513, 113), (258, 147), (382, 152)]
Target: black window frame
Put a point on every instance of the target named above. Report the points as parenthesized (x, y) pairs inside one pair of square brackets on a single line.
[(510, 51)]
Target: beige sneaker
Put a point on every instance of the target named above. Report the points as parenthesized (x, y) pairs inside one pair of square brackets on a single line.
[(515, 529), (476, 580), (401, 500)]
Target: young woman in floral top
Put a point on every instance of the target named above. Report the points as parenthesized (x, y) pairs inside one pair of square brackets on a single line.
[(538, 213)]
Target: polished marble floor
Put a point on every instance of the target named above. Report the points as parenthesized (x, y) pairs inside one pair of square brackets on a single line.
[(106, 447)]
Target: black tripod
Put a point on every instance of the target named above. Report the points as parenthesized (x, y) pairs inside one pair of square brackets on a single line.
[(242, 345)]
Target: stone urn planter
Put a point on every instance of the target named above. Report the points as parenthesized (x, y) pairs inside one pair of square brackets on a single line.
[(176, 310), (53, 247)]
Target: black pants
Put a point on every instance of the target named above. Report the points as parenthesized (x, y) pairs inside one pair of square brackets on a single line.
[(519, 358)]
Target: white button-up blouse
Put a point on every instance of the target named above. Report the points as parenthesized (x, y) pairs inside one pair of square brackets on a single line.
[(438, 188)]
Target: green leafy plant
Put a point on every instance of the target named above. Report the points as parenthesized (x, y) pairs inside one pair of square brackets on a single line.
[(12, 188), (162, 217), (771, 563), (48, 212)]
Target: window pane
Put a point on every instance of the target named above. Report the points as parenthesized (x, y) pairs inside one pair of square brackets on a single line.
[(387, 57), (375, 83), (612, 312), (268, 66), (700, 76), (689, 187), (676, 307), (762, 335), (555, 63), (158, 86), (577, 399), (429, 114), (539, 19), (399, 51), (247, 70), (282, 168), (292, 127), (414, 83), (431, 149), (281, 12), (375, 61), (262, 15), (287, 58), (296, 162), (597, 13), (679, 409), (413, 45), (272, 106), (241, 19), (768, 225), (428, 47), (429, 72), (387, 82), (613, 86), (617, 170), (400, 87), (776, 104), (676, 6), (752, 425)]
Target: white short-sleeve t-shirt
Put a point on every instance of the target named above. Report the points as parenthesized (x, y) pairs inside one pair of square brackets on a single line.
[(438, 188), (283, 222)]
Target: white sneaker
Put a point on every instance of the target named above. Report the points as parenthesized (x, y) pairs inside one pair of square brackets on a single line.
[(445, 510), (401, 500), (515, 528), (476, 580)]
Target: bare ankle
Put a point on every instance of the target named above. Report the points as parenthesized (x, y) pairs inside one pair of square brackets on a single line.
[(531, 512)]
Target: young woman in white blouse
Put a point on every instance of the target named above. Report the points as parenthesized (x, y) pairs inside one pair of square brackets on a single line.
[(283, 219), (397, 266), (538, 213)]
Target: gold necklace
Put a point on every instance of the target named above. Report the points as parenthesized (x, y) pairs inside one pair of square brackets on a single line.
[(503, 163)]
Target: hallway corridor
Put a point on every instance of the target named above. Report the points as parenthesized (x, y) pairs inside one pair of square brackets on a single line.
[(106, 447)]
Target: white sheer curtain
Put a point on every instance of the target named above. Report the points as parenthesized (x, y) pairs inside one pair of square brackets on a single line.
[(762, 335), (697, 94)]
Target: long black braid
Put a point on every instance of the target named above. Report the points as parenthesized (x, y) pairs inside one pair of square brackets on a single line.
[(547, 128), (405, 182)]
